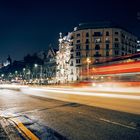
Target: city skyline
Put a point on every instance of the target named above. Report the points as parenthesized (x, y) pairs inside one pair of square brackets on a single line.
[(30, 26)]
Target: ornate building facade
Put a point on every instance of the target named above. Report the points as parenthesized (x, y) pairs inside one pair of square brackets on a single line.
[(63, 59), (90, 44)]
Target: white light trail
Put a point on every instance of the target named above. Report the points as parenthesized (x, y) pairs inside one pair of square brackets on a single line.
[(107, 95)]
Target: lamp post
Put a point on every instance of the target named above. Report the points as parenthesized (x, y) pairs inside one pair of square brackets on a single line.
[(24, 76), (88, 64), (36, 66), (16, 75), (2, 76)]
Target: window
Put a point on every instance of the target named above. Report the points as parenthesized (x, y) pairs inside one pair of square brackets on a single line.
[(97, 61), (116, 33), (107, 33), (107, 46), (87, 47), (116, 39), (72, 50), (72, 37), (78, 53), (123, 48), (71, 63), (78, 41), (78, 35), (107, 53), (87, 34), (129, 51), (122, 53), (72, 56), (71, 71), (116, 45), (98, 40), (78, 47), (87, 54), (97, 34), (107, 40), (116, 52), (71, 44), (97, 54), (78, 61), (87, 40), (97, 47)]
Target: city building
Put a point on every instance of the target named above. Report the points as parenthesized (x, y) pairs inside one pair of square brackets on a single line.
[(50, 66), (138, 46), (90, 44), (63, 59)]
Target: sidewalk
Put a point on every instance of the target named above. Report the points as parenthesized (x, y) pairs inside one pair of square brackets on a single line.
[(3, 135), (8, 131)]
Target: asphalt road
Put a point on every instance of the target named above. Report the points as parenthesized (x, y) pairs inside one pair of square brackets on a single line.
[(50, 119)]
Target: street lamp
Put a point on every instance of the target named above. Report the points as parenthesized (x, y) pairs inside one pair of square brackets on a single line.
[(24, 75), (2, 78), (88, 64), (36, 66)]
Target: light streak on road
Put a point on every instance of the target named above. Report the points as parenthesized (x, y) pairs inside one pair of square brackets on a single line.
[(107, 95), (12, 86)]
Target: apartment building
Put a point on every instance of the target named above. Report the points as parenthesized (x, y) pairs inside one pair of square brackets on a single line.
[(93, 43)]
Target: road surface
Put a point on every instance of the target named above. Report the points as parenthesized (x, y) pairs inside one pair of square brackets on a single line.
[(50, 119)]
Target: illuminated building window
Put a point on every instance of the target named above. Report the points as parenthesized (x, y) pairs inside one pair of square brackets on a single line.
[(107, 40), (97, 61), (98, 40)]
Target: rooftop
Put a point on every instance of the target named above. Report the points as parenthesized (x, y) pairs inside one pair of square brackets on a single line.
[(98, 25), (94, 25)]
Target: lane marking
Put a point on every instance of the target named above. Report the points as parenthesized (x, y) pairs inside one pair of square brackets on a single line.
[(24, 129), (116, 123)]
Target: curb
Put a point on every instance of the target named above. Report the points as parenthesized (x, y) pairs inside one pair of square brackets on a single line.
[(9, 130)]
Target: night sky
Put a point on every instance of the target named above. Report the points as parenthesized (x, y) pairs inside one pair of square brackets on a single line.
[(28, 26)]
